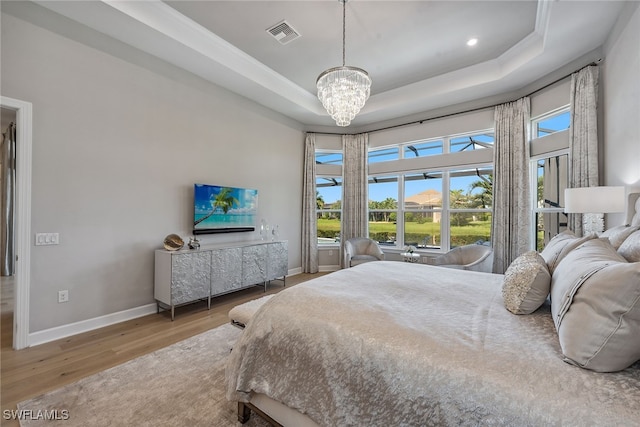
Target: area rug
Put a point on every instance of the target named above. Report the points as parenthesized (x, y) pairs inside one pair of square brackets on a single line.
[(179, 385)]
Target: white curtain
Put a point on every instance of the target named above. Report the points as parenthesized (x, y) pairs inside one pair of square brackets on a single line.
[(309, 206), (511, 232), (355, 198), (583, 135), (8, 166)]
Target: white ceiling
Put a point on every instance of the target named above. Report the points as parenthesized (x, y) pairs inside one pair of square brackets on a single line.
[(414, 51)]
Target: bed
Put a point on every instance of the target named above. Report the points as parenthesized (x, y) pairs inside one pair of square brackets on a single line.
[(402, 344)]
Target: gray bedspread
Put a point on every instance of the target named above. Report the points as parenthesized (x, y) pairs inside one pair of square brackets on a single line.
[(399, 344)]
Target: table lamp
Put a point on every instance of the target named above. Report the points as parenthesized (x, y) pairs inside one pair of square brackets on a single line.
[(593, 203)]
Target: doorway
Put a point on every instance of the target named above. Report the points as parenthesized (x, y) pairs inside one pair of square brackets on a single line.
[(22, 215), (7, 229)]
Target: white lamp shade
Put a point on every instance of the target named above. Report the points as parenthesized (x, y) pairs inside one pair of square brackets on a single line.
[(594, 200)]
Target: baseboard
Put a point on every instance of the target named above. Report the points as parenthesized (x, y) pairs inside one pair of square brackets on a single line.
[(328, 268), (64, 331), (294, 271), (52, 334)]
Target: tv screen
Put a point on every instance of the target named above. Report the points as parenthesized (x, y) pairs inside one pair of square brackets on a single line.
[(220, 209)]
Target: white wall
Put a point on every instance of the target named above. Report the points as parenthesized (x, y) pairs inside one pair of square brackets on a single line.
[(620, 77), (116, 151)]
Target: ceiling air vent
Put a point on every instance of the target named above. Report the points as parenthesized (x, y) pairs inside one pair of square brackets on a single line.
[(283, 32)]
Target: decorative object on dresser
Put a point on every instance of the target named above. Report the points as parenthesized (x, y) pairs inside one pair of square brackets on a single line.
[(593, 202), (173, 242), (188, 276), (194, 243)]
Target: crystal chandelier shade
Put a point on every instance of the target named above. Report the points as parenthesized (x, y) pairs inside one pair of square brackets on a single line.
[(343, 90)]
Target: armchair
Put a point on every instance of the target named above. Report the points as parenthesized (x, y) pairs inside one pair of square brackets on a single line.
[(467, 257), (360, 250)]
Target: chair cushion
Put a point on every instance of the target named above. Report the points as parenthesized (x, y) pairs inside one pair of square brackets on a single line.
[(360, 259), (526, 283)]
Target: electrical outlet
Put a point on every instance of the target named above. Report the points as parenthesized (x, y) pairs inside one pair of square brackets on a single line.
[(63, 296)]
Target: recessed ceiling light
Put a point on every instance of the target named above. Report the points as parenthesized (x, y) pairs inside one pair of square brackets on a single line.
[(472, 41)]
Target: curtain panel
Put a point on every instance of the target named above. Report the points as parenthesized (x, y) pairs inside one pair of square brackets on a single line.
[(511, 219), (309, 207), (355, 197), (583, 135), (8, 166)]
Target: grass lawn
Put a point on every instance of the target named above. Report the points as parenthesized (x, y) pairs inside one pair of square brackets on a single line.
[(465, 234)]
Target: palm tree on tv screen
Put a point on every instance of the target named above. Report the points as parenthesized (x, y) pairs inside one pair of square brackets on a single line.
[(224, 200)]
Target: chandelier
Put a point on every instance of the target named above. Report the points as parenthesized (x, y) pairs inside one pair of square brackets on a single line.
[(343, 90)]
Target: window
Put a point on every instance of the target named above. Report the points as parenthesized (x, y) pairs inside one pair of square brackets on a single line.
[(420, 193), (383, 209), (422, 149), (550, 174), (430, 216), (329, 205), (383, 154), (471, 142), (423, 210), (328, 158), (551, 181), (470, 203), (551, 123)]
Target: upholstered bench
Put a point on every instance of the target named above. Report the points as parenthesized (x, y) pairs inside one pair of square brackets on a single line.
[(240, 315)]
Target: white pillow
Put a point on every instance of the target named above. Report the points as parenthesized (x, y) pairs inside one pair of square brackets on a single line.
[(617, 235), (595, 303), (630, 248), (560, 245), (526, 283)]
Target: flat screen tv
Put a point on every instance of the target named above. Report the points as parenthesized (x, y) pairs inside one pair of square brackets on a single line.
[(219, 209)]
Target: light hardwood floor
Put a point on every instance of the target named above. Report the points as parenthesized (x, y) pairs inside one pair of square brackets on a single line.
[(30, 372)]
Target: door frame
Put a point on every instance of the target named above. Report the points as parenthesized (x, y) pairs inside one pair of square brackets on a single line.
[(22, 214)]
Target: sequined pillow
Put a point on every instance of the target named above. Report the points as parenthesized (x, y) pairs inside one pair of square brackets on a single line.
[(526, 283)]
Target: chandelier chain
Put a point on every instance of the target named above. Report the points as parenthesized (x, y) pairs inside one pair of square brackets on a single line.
[(343, 90), (344, 30)]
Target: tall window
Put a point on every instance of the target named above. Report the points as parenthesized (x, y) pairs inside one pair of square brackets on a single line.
[(470, 203), (550, 171), (383, 209), (328, 195), (329, 204), (551, 181), (423, 210)]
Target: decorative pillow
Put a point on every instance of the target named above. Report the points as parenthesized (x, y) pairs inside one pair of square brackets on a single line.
[(635, 220), (560, 245), (617, 235), (595, 303), (630, 248), (526, 283)]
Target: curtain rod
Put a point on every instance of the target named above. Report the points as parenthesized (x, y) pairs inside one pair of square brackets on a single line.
[(472, 110)]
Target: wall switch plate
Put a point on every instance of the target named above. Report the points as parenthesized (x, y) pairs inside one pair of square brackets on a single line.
[(63, 296), (47, 239)]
